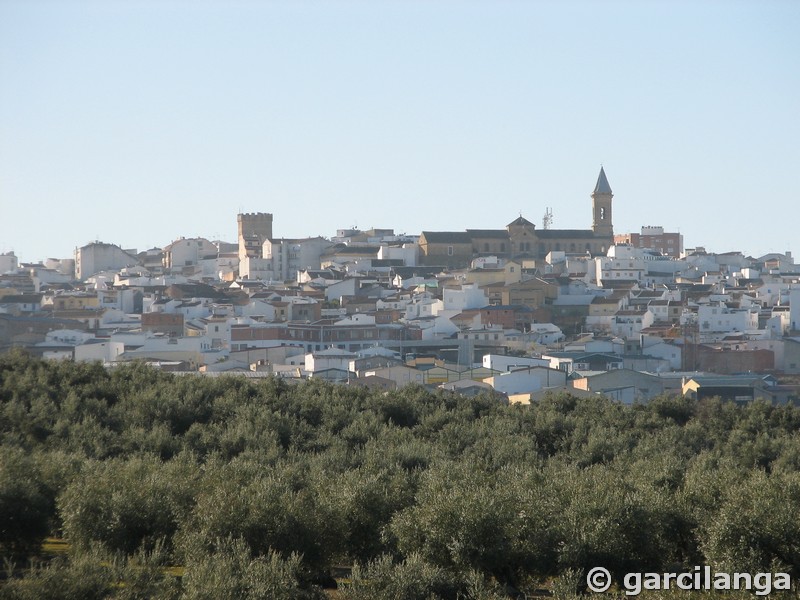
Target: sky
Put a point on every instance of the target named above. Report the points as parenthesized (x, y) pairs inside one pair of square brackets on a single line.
[(138, 122)]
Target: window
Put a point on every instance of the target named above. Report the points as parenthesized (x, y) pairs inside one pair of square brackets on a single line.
[(486, 246), (449, 251), (602, 213)]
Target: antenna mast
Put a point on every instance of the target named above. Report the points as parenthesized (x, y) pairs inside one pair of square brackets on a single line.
[(547, 221)]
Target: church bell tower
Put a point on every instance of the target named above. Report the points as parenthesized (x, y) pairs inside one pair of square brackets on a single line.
[(601, 207)]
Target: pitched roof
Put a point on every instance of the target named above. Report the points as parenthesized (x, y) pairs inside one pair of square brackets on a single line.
[(488, 233), (194, 290), (560, 234), (21, 299), (522, 221), (447, 237), (353, 250), (602, 186), (419, 271)]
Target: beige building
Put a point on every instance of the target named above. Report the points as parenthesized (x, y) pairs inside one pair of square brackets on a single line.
[(520, 240), (451, 249), (509, 273), (254, 230), (532, 293)]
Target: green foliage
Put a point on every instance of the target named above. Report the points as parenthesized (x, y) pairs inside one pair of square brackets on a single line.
[(96, 574), (259, 488), (231, 573), (410, 579), (465, 519), (273, 510), (756, 528), (26, 505), (83, 577), (606, 521), (127, 504)]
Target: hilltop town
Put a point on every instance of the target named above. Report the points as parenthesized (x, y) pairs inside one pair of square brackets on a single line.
[(519, 311)]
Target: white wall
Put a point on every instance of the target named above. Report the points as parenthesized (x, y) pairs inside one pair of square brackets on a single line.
[(408, 253), (185, 252), (96, 257), (502, 362), (8, 262), (464, 298), (527, 380), (106, 351), (716, 318), (794, 303)]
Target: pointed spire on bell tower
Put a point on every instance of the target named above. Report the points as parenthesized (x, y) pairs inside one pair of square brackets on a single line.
[(602, 186)]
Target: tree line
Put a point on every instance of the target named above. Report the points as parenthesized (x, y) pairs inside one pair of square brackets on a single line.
[(185, 487)]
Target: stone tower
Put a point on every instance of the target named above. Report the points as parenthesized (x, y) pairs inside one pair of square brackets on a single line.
[(522, 234), (254, 230), (601, 206)]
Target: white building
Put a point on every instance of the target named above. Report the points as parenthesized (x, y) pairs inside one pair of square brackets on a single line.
[(715, 320), (423, 307), (188, 252), (529, 379), (332, 358), (408, 253), (99, 256), (503, 362), (629, 323), (794, 304), (123, 299), (285, 257), (622, 263), (105, 351), (656, 347), (465, 297), (8, 263), (195, 350)]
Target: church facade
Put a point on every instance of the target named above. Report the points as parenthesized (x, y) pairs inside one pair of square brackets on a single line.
[(520, 240)]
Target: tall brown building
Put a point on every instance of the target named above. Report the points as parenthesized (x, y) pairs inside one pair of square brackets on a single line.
[(655, 238), (254, 230)]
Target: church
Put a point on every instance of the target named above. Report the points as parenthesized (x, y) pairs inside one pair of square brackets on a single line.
[(520, 240)]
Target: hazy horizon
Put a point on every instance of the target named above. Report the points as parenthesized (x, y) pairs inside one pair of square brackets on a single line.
[(139, 122)]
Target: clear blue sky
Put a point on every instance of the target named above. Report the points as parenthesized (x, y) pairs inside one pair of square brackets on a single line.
[(138, 122)]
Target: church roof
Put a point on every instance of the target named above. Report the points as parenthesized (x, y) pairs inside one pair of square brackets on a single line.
[(447, 237), (555, 234), (520, 221), (489, 233), (602, 186)]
